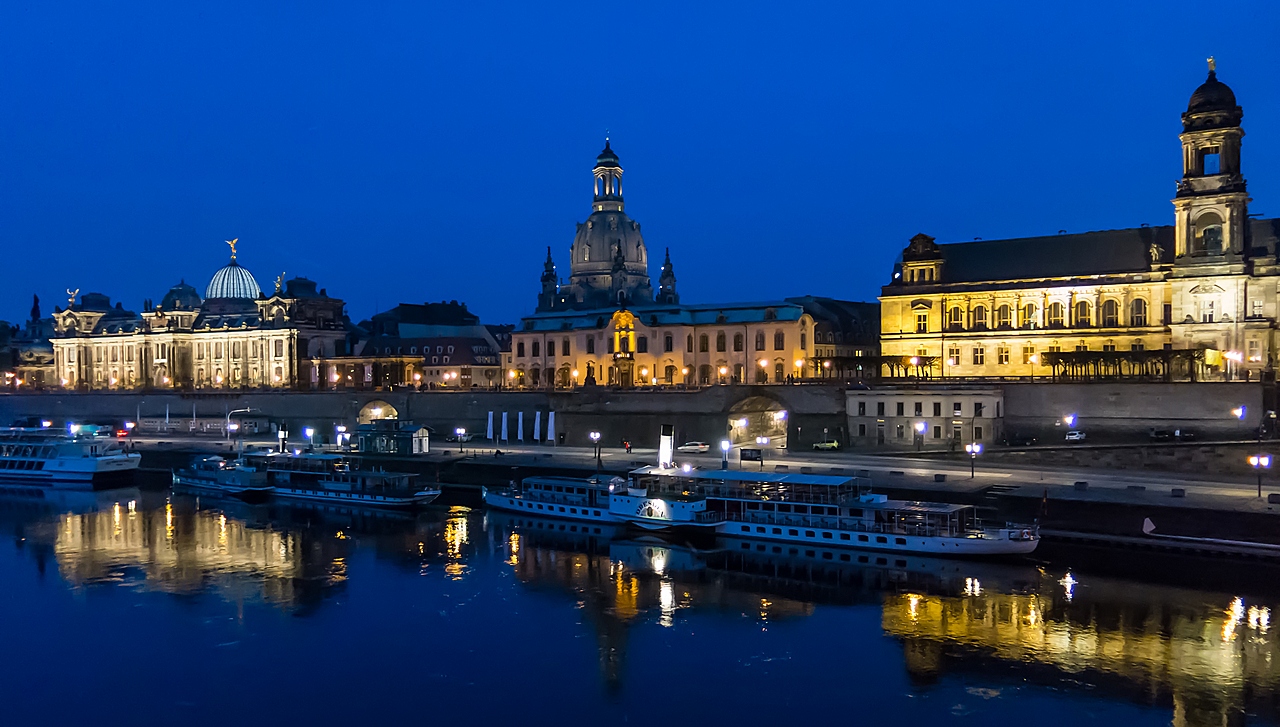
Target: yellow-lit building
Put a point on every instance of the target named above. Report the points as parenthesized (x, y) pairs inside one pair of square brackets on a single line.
[(235, 337), (1203, 289)]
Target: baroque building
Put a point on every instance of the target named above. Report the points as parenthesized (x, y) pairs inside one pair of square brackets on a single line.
[(235, 337), (1194, 298), (606, 324)]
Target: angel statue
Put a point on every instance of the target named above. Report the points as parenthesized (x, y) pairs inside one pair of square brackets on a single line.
[(71, 296)]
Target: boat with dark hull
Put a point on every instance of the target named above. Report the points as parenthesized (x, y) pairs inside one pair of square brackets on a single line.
[(340, 480), (213, 474)]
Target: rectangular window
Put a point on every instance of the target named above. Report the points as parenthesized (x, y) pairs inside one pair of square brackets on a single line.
[(922, 323), (1108, 348), (955, 409), (1027, 353), (642, 344), (608, 344), (977, 434), (953, 355), (937, 432), (862, 408), (919, 408), (1002, 355), (536, 348), (1082, 347), (977, 409), (1137, 346), (520, 349), (668, 343), (1256, 309), (1168, 313), (862, 430), (902, 432), (779, 341), (279, 348), (937, 408), (591, 343), (901, 409), (564, 347), (879, 408), (1255, 349), (979, 355)]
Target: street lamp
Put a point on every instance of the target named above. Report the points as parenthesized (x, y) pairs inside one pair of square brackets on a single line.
[(974, 450), (460, 431), (1239, 411), (920, 428), (595, 440), (762, 443), (1069, 420), (310, 434), (283, 434), (342, 436), (1259, 462), (724, 454)]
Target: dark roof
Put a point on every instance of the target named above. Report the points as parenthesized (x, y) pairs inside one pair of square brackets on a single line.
[(859, 322), (1053, 256), (1105, 252), (1212, 95), (451, 313)]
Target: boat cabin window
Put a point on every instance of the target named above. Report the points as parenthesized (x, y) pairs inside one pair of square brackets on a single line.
[(801, 509), (784, 508), (582, 490), (559, 488), (855, 512), (753, 506)]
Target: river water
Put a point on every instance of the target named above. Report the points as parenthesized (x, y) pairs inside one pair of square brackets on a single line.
[(144, 608)]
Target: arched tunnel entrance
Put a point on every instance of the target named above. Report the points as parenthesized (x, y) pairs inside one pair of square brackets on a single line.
[(758, 416), (377, 409)]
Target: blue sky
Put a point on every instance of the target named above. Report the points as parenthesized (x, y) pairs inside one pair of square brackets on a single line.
[(411, 152)]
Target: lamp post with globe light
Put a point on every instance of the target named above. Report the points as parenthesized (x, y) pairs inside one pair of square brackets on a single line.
[(1260, 462), (724, 454), (974, 449), (920, 428), (461, 432), (595, 440)]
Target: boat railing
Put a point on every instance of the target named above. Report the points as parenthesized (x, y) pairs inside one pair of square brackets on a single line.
[(556, 498), (769, 492), (855, 525), (708, 516)]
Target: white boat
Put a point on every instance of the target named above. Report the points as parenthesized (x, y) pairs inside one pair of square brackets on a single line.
[(559, 497), (331, 478), (55, 458), (826, 510), (664, 509), (211, 473)]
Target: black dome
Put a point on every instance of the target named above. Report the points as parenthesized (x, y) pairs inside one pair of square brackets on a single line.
[(1213, 95), (607, 158)]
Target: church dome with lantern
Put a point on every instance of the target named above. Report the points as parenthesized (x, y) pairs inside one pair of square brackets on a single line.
[(233, 281)]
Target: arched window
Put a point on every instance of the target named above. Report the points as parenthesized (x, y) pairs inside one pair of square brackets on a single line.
[(1110, 314), (779, 372), (1054, 314), (1082, 313), (668, 343), (720, 341), (759, 340), (737, 342), (704, 374), (535, 376), (1004, 316), (1029, 319), (703, 343), (689, 343), (1208, 234), (979, 317), (955, 318), (779, 341), (1138, 312)]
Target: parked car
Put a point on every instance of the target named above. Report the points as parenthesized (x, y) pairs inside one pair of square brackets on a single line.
[(1020, 441), (1186, 435), (698, 447), (1161, 435), (829, 446), (1075, 435)]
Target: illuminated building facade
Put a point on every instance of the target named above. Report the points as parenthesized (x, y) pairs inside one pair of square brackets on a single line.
[(607, 325), (1202, 291), (235, 337)]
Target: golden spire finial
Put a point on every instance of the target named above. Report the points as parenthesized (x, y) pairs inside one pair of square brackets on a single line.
[(232, 243), (1213, 65), (279, 282)]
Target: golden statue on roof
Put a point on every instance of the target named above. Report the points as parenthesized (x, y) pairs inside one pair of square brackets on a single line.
[(71, 296), (280, 282), (232, 243), (1213, 65)]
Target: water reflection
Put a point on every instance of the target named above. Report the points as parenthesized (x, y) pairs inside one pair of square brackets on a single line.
[(1205, 655)]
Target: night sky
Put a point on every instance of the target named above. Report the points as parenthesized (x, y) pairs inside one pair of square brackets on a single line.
[(400, 153)]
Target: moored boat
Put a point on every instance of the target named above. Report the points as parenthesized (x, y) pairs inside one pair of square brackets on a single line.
[(339, 479), (833, 511), (56, 458), (213, 474), (559, 497)]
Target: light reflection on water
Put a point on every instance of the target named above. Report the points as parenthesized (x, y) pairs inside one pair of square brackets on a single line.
[(1192, 656)]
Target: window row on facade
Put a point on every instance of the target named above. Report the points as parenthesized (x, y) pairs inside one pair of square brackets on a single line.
[(1057, 314), (702, 343)]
